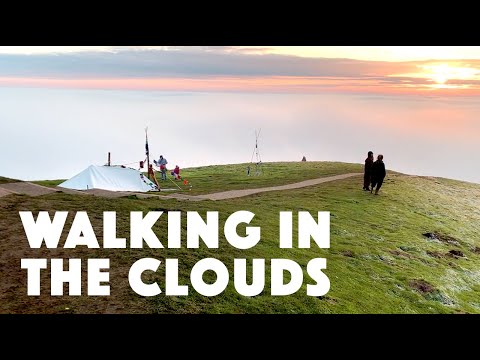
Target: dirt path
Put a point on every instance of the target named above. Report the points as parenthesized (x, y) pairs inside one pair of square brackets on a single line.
[(26, 188), (38, 190), (5, 192), (232, 194)]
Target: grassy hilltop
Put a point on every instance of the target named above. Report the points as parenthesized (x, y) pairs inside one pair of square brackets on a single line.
[(4, 180), (379, 260), (215, 178)]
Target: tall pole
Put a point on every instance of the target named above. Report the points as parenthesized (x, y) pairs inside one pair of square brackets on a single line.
[(109, 163), (147, 151), (150, 173), (258, 165)]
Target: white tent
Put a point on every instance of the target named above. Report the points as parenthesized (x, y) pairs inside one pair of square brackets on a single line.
[(113, 178)]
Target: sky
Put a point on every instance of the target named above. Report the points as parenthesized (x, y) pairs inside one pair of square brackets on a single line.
[(64, 108)]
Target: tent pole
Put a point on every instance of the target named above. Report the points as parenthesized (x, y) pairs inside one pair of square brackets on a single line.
[(148, 151), (150, 172)]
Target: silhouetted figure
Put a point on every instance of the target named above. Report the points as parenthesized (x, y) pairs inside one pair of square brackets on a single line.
[(304, 159), (378, 174), (367, 175)]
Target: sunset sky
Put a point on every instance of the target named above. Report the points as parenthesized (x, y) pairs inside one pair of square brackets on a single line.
[(64, 108)]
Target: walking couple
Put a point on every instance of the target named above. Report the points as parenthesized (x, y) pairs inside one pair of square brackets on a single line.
[(374, 173)]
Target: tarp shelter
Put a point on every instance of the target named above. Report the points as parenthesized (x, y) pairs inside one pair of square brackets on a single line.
[(113, 178)]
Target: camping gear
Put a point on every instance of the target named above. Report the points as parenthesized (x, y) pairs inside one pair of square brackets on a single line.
[(113, 178)]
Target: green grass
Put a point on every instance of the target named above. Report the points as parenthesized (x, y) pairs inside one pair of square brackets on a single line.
[(208, 179), (377, 248), (48, 183), (5, 180)]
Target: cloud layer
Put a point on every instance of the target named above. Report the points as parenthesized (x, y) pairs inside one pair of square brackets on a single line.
[(62, 111), (227, 69)]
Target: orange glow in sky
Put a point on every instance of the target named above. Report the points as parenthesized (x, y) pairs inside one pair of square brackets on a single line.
[(377, 53), (416, 105), (434, 81), (368, 69), (441, 73)]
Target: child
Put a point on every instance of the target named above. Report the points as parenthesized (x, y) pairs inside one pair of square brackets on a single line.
[(176, 173)]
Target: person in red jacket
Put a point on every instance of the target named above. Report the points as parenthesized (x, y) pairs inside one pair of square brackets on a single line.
[(176, 173), (367, 176)]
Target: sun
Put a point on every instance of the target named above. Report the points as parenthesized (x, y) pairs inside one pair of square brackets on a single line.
[(442, 73)]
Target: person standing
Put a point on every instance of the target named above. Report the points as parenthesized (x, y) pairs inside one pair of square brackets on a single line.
[(378, 174), (367, 176), (162, 164)]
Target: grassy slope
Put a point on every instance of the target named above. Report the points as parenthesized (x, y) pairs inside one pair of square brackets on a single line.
[(216, 178), (49, 183), (4, 180), (208, 179), (377, 249)]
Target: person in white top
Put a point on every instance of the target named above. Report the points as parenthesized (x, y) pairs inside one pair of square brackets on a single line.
[(162, 164)]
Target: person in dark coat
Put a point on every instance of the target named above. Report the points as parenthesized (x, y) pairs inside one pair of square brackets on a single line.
[(367, 176), (378, 174)]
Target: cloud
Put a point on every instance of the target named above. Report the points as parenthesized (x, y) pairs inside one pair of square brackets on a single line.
[(148, 62), (222, 69)]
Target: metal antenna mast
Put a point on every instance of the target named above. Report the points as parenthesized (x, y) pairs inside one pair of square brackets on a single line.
[(256, 153)]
